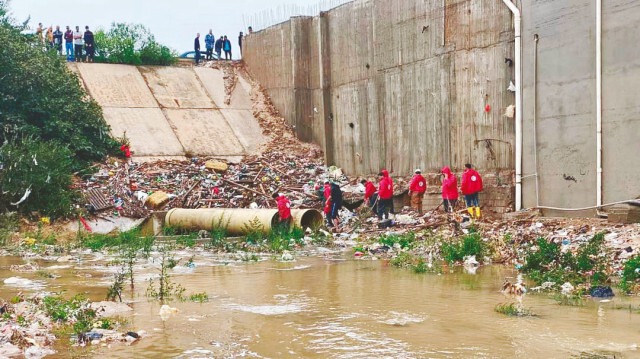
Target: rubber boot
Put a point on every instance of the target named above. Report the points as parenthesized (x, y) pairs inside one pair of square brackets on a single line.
[(470, 210), (478, 213)]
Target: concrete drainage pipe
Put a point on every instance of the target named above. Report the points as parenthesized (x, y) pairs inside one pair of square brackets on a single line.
[(237, 220)]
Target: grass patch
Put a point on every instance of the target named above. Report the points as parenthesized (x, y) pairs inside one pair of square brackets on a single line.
[(630, 275), (417, 264), (545, 262), (199, 297), (513, 310), (404, 241), (575, 300), (470, 245)]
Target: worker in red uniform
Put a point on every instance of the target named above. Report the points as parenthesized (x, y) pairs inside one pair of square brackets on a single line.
[(284, 211), (327, 203), (449, 189), (369, 192), (417, 188), (385, 195), (471, 186)]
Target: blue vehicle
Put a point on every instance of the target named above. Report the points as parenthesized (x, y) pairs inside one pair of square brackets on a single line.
[(192, 55)]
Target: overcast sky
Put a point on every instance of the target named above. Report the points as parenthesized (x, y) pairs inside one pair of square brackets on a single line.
[(173, 22)]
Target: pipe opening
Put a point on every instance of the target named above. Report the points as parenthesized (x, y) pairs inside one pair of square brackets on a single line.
[(311, 219)]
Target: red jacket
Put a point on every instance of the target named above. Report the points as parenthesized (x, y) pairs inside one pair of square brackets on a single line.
[(418, 184), (449, 184), (327, 198), (369, 190), (284, 208), (385, 186), (471, 182)]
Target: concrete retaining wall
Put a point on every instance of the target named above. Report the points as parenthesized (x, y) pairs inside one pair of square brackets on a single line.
[(395, 84), (565, 101), (400, 84), (169, 112)]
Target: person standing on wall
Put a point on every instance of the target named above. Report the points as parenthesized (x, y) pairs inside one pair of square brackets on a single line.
[(284, 211), (417, 189), (196, 48), (209, 40), (50, 37), (336, 205), (78, 42), (449, 189), (385, 195), (40, 33), (226, 46), (68, 43), (218, 47), (240, 37), (471, 186), (89, 44), (57, 40)]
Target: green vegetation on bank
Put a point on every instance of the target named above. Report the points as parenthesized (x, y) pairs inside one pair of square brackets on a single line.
[(545, 262), (131, 44), (469, 245)]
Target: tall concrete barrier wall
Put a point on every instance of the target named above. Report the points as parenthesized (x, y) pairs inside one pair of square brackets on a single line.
[(560, 101), (397, 84), (400, 84)]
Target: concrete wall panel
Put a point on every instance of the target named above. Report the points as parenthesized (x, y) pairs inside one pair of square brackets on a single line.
[(621, 108), (142, 126), (204, 132), (105, 84), (176, 87)]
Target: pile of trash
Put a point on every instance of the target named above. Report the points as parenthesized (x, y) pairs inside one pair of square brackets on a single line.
[(283, 164)]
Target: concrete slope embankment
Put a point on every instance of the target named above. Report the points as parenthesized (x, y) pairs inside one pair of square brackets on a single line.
[(174, 111)]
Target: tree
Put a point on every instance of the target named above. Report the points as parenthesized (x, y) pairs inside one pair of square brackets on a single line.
[(36, 177), (131, 44)]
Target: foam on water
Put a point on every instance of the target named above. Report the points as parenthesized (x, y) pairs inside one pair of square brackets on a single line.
[(400, 319)]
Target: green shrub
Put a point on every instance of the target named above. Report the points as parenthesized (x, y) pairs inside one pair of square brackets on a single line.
[(403, 259), (470, 245), (131, 44), (548, 264), (42, 171), (218, 233), (420, 266), (187, 240), (546, 253), (630, 274), (8, 226), (405, 241)]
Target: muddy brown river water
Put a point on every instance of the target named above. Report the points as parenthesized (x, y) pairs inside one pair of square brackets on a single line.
[(326, 307)]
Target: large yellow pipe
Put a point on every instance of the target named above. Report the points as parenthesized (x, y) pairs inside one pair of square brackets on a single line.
[(238, 221)]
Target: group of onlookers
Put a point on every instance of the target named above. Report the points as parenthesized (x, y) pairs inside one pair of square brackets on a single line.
[(75, 42), (217, 46)]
